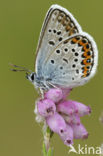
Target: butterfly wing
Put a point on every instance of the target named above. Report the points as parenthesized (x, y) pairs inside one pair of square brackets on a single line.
[(73, 62), (58, 24)]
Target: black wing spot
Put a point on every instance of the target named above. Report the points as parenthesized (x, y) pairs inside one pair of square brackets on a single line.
[(52, 61), (65, 42), (59, 32), (72, 78), (73, 50), (88, 53), (87, 46), (88, 67), (54, 31), (60, 39), (49, 30), (64, 59), (61, 67), (75, 60), (66, 49), (77, 71), (73, 65), (76, 54), (58, 51), (51, 43), (88, 60), (84, 41)]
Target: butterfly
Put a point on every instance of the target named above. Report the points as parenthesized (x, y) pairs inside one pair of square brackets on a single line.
[(66, 57)]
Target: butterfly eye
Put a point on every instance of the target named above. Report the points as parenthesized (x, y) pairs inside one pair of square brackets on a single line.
[(32, 77)]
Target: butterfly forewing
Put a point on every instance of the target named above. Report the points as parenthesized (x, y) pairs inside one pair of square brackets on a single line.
[(58, 25)]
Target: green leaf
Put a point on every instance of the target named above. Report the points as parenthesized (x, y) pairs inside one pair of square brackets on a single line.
[(50, 152), (44, 150)]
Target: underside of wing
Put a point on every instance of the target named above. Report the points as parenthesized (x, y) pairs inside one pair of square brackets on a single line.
[(58, 25), (73, 62)]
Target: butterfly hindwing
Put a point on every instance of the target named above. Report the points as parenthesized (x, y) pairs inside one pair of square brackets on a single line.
[(73, 62), (58, 25)]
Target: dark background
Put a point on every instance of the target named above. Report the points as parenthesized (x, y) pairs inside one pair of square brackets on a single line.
[(20, 24)]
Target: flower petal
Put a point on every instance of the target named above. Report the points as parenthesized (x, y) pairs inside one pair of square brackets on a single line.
[(82, 109), (46, 107), (67, 107), (79, 131), (56, 123), (54, 94), (67, 135)]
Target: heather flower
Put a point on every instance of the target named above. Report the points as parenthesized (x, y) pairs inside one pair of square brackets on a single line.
[(56, 123), (63, 116), (67, 135), (79, 131), (46, 107)]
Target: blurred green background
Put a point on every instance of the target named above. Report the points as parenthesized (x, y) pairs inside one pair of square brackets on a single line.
[(20, 24)]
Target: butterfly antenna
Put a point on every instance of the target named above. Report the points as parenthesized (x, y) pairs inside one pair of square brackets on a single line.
[(18, 68)]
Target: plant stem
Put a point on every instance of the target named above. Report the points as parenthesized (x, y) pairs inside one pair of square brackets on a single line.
[(47, 150)]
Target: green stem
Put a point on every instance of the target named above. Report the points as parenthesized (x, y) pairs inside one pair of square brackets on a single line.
[(47, 150)]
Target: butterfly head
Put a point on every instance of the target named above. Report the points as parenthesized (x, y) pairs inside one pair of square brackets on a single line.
[(31, 76)]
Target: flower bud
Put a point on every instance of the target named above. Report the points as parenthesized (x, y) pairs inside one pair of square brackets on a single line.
[(79, 131), (56, 123), (54, 94), (46, 107), (67, 107), (82, 109), (67, 135)]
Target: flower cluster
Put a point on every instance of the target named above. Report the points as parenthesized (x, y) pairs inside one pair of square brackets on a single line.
[(63, 116)]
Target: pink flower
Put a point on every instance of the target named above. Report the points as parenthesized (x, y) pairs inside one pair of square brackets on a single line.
[(67, 107), (46, 107), (79, 132), (63, 116), (67, 135), (56, 123)]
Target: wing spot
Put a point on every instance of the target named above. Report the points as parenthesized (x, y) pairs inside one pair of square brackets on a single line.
[(87, 46), (72, 42), (88, 60), (66, 49), (72, 78), (49, 30), (59, 32), (51, 43), (78, 38), (88, 67), (79, 44), (52, 61), (88, 53), (75, 60), (57, 51), (64, 59), (84, 41), (77, 71), (73, 50), (76, 54), (65, 42), (60, 39), (61, 67), (73, 65), (54, 31)]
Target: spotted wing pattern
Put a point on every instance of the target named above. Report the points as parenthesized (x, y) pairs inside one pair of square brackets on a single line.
[(58, 25), (73, 61)]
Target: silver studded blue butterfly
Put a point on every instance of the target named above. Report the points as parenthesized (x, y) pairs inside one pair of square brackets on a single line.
[(66, 56)]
